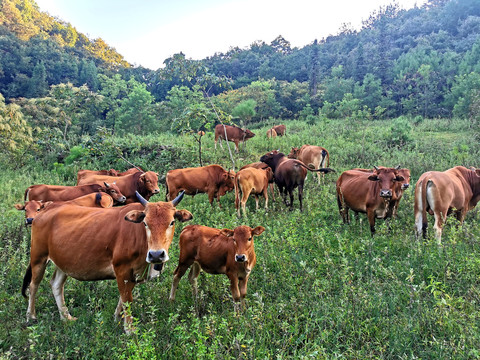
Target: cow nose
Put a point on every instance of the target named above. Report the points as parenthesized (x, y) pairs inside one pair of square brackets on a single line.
[(386, 193), (240, 258), (28, 221), (122, 199), (156, 191), (405, 186), (157, 256)]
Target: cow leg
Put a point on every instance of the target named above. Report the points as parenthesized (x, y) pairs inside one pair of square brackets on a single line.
[(256, 202), (38, 270), (234, 289), (236, 146), (57, 283), (177, 275), (211, 196), (300, 195), (371, 220), (272, 190), (125, 288), (242, 285), (193, 275), (440, 217), (265, 195)]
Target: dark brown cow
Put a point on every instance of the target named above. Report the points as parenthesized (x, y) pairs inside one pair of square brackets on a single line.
[(216, 251), (251, 181), (455, 190), (289, 174), (92, 244), (32, 207), (399, 188), (263, 166), (112, 172), (281, 130), (65, 193), (311, 155), (146, 183), (213, 180), (366, 192), (233, 133)]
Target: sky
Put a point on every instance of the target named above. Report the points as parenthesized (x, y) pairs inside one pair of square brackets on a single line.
[(146, 32)]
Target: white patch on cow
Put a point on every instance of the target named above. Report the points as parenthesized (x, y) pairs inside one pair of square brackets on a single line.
[(418, 215)]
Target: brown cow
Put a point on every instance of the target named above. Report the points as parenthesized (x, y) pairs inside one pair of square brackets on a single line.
[(289, 174), (32, 207), (112, 172), (251, 180), (213, 180), (311, 155), (263, 166), (399, 188), (280, 130), (92, 244), (64, 193), (216, 251), (146, 183), (271, 133), (455, 190), (233, 133), (366, 192)]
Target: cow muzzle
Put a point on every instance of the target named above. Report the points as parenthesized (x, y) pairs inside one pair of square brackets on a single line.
[(157, 256), (156, 191), (122, 199), (28, 221), (241, 258), (405, 186), (386, 193)]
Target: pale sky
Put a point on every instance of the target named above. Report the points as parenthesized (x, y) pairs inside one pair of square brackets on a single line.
[(146, 32)]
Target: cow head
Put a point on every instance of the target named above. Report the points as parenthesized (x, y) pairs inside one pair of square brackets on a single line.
[(149, 182), (271, 158), (32, 208), (386, 177), (247, 134), (159, 221), (243, 240), (293, 153), (406, 175), (114, 191)]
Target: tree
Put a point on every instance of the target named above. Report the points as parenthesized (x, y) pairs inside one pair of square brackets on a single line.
[(38, 86), (245, 110)]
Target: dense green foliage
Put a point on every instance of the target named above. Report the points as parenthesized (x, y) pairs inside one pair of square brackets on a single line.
[(320, 289)]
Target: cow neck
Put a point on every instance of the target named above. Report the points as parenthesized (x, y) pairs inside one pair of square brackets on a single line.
[(139, 185)]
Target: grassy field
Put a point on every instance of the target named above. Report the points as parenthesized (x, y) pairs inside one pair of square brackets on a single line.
[(320, 289)]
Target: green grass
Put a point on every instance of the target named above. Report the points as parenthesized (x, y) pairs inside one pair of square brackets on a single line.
[(320, 289)]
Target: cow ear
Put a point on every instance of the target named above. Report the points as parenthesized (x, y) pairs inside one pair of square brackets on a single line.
[(135, 216), (183, 215), (399, 178), (19, 206), (46, 204), (226, 232), (373, 178), (258, 230)]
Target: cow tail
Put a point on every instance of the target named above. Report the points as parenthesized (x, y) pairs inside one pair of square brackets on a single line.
[(166, 187), (237, 191), (98, 198), (26, 280), (326, 155), (25, 197)]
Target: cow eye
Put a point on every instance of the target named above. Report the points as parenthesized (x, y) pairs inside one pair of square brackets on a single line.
[(144, 223), (172, 223), (113, 191), (38, 209), (250, 238)]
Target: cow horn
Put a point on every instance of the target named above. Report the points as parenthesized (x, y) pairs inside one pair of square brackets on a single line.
[(375, 167), (178, 198), (140, 198), (398, 167)]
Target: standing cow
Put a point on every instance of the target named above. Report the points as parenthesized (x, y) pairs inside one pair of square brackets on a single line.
[(212, 179), (263, 166), (455, 190), (225, 251), (289, 174), (311, 155), (251, 181), (232, 133), (368, 193), (281, 130), (92, 244)]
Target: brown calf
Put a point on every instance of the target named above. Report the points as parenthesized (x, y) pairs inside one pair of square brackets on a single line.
[(232, 133), (251, 181), (311, 155), (271, 133), (263, 166), (65, 193), (225, 251)]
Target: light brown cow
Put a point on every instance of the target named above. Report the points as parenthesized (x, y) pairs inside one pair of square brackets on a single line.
[(281, 130), (398, 190), (366, 192), (213, 180), (112, 172), (271, 133), (225, 251), (32, 207), (455, 190), (251, 181), (65, 193), (146, 183), (263, 166), (233, 133), (312, 156), (92, 244)]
